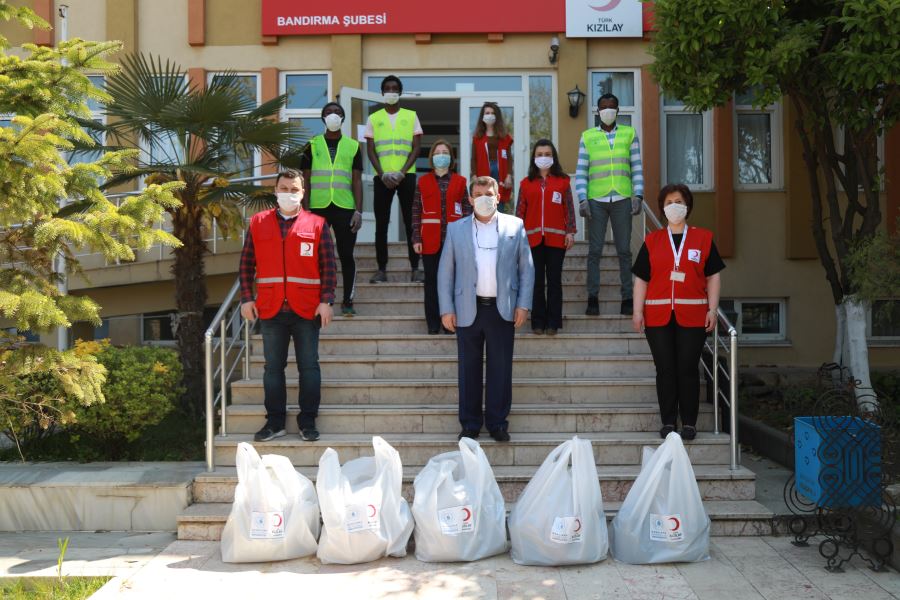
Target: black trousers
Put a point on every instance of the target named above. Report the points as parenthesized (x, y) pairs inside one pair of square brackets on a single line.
[(432, 309), (406, 191), (676, 353), (345, 241), (546, 306), (491, 332)]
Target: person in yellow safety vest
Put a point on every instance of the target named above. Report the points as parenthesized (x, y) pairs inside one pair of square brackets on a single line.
[(609, 183), (394, 136), (332, 171)]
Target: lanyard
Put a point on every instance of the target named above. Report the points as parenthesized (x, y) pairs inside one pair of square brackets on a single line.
[(677, 253)]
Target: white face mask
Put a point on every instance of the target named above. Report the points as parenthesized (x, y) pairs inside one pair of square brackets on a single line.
[(543, 162), (489, 119), (288, 202), (333, 121), (391, 98), (608, 115), (676, 213), (485, 206)]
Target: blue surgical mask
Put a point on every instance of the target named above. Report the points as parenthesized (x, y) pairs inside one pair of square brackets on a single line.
[(441, 161)]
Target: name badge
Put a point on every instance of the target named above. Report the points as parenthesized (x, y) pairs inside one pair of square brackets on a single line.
[(306, 249), (503, 153), (557, 198), (677, 276), (457, 208)]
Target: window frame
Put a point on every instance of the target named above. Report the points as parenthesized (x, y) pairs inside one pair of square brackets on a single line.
[(634, 111), (775, 112), (303, 113), (257, 155), (886, 339), (738, 303), (708, 184)]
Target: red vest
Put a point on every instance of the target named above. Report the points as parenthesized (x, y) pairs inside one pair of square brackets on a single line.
[(287, 268), (431, 208), (687, 298), (545, 210), (483, 165)]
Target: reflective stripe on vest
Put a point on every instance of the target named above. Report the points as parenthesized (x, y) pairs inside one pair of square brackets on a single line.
[(332, 185), (677, 301), (609, 168), (393, 143)]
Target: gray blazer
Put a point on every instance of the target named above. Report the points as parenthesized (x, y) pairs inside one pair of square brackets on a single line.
[(457, 273)]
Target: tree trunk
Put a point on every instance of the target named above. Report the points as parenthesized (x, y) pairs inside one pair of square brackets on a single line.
[(858, 353), (840, 356), (190, 300)]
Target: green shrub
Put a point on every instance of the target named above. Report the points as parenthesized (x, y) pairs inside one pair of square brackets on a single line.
[(143, 384)]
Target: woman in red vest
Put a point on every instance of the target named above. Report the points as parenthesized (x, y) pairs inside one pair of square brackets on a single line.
[(676, 298), (546, 206), (441, 198), (492, 152)]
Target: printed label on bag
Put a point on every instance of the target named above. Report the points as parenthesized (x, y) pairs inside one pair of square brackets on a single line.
[(666, 528), (456, 520), (361, 517), (566, 530), (266, 525)]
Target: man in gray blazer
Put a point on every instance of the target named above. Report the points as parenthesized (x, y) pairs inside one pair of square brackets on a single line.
[(485, 286)]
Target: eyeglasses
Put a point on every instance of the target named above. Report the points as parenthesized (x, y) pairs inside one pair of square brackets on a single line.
[(496, 239)]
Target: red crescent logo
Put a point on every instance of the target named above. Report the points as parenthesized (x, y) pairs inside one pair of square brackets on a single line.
[(577, 529), (372, 506), (468, 514), (677, 523), (608, 6), (280, 521)]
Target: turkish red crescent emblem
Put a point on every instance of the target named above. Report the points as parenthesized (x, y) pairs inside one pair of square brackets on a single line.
[(372, 506), (280, 521), (468, 514), (577, 529), (605, 7), (677, 524)]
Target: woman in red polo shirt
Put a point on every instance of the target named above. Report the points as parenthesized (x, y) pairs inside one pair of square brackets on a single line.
[(441, 198), (546, 206), (676, 297), (492, 152)]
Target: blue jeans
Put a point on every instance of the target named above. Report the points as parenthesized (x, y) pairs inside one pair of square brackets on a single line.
[(619, 215), (277, 333)]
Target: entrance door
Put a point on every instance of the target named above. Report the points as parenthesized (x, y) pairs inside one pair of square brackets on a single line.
[(514, 117)]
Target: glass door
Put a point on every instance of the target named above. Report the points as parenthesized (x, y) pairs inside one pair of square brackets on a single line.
[(513, 109)]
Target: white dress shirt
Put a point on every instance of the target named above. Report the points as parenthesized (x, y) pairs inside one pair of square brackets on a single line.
[(486, 239)]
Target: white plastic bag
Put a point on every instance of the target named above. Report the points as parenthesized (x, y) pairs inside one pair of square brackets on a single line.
[(458, 508), (275, 515), (559, 518), (662, 519), (364, 516)]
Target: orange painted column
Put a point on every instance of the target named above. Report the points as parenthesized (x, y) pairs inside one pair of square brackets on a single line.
[(723, 177), (269, 85), (892, 177), (44, 9), (197, 22), (651, 153)]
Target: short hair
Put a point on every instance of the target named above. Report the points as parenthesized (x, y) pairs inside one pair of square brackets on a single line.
[(484, 180), (441, 142), (341, 108), (608, 96), (393, 78), (671, 188), (288, 174)]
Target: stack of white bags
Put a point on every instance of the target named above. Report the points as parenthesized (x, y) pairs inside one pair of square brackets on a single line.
[(459, 512)]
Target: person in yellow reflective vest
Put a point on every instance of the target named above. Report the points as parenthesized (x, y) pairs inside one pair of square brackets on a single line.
[(332, 172), (394, 136)]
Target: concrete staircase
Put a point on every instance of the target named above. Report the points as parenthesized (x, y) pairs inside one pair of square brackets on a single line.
[(383, 375)]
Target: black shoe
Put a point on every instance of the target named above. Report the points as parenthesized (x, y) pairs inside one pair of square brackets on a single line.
[(688, 432), (347, 309), (267, 433), (537, 330), (666, 430), (418, 276), (468, 433), (551, 331), (310, 434), (500, 435), (434, 331), (379, 277), (593, 306), (627, 306)]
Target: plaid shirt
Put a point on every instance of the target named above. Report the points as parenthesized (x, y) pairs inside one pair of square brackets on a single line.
[(327, 268), (443, 184)]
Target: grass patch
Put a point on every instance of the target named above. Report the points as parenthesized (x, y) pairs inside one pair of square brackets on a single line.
[(50, 588)]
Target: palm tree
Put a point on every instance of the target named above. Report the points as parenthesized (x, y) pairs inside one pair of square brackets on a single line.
[(196, 135)]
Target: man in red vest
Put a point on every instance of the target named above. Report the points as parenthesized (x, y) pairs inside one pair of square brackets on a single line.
[(289, 252)]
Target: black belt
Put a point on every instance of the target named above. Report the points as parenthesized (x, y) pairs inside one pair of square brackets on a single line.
[(485, 300)]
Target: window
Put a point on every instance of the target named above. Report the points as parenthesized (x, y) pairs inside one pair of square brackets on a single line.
[(307, 93), (540, 107), (451, 83), (6, 119), (756, 319), (622, 85), (758, 145), (883, 320), (98, 114), (241, 162), (686, 140)]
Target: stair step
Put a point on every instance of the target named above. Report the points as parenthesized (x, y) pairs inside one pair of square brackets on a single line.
[(715, 482), (574, 270), (393, 291), (415, 323), (436, 391), (526, 449), (399, 250), (729, 518)]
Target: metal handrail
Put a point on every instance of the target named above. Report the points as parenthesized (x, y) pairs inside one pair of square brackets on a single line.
[(225, 321), (731, 349)]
